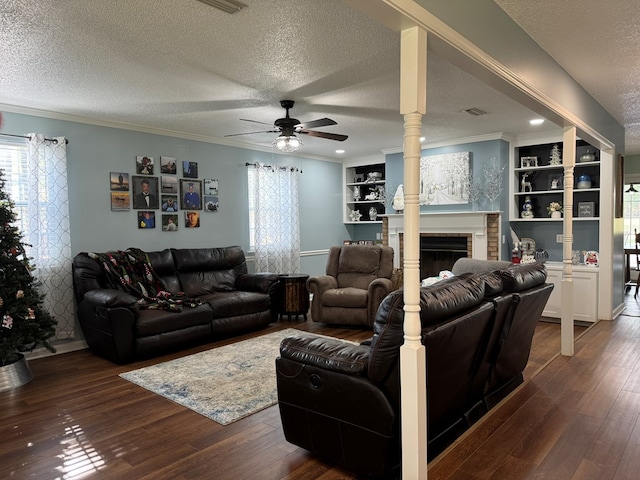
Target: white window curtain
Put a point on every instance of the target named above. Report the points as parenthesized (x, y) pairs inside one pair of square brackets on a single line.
[(47, 228), (276, 215)]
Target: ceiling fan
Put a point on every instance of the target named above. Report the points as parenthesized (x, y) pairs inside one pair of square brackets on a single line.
[(288, 127)]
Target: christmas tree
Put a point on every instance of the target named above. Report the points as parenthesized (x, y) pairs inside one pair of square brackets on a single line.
[(25, 323)]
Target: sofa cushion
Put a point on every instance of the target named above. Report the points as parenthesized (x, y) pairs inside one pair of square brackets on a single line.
[(358, 266), (207, 270), (165, 269), (235, 303), (153, 322), (348, 297), (442, 301), (520, 277)]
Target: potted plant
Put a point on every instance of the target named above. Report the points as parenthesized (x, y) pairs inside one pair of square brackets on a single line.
[(25, 324), (555, 210)]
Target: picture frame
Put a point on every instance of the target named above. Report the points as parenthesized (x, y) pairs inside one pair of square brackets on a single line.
[(170, 223), (619, 188), (169, 203), (189, 169), (169, 184), (144, 165), (555, 181), (142, 192), (528, 162), (586, 209), (120, 201), (168, 165), (191, 219), (119, 181), (190, 194), (146, 219)]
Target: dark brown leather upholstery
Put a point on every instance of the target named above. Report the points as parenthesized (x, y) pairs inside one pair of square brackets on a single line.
[(342, 401), (357, 278), (234, 301)]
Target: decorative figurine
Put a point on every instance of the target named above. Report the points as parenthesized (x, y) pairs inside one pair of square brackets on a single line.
[(527, 208), (524, 184), (555, 156), (355, 215)]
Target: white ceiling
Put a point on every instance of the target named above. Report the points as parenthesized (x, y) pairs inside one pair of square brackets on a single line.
[(180, 66)]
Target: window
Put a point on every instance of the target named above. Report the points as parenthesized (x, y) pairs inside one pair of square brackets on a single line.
[(631, 214), (13, 162)]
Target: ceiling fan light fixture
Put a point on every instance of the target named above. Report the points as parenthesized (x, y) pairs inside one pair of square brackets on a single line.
[(287, 143)]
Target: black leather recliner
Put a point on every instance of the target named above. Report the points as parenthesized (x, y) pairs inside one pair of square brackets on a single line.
[(341, 401)]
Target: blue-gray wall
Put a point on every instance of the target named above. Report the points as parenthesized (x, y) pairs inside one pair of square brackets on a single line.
[(95, 151)]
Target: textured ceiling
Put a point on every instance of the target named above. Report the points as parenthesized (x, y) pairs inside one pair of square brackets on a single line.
[(182, 67), (598, 44)]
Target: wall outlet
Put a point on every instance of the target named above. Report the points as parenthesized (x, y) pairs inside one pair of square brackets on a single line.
[(559, 238), (504, 239)]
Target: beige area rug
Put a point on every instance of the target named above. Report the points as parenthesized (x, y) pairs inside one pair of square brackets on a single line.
[(224, 384)]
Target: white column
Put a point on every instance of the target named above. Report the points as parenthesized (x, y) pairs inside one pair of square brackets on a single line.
[(569, 138), (413, 93)]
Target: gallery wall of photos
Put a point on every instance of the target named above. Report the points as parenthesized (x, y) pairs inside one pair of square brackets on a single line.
[(161, 197)]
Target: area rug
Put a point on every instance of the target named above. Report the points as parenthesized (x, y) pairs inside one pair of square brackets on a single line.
[(224, 384)]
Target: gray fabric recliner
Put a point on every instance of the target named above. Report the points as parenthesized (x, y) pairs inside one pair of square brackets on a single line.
[(357, 279)]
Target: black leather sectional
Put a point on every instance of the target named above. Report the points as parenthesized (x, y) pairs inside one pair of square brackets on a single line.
[(342, 401)]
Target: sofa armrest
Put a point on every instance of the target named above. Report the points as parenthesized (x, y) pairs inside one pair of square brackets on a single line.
[(327, 353), (321, 283), (263, 282), (109, 298)]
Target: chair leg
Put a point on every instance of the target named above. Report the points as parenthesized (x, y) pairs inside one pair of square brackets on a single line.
[(637, 286)]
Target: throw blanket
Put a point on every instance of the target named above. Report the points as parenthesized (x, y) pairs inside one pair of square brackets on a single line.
[(131, 271)]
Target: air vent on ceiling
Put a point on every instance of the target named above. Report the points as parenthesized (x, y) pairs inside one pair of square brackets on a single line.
[(476, 112), (229, 6)]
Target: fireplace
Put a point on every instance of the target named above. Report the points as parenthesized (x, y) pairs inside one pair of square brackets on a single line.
[(439, 252), (466, 234)]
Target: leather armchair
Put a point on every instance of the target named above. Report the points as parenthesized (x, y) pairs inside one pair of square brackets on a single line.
[(357, 279)]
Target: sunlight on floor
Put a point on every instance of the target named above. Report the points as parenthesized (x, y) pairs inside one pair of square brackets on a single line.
[(79, 457)]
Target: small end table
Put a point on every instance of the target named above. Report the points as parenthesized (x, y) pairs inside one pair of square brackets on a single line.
[(294, 297)]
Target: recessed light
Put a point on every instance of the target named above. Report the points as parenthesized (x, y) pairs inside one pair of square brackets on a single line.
[(422, 139), (537, 121), (339, 151)]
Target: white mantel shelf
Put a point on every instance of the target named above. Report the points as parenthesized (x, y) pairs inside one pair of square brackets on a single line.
[(470, 223)]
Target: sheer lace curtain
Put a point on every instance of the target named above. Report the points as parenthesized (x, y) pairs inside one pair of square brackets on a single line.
[(277, 225), (47, 228)]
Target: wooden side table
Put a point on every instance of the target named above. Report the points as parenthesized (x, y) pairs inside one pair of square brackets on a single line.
[(294, 297)]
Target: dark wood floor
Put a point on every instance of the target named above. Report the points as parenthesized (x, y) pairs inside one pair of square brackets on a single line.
[(573, 419)]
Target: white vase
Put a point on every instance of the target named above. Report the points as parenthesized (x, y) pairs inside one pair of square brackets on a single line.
[(556, 214), (15, 374)]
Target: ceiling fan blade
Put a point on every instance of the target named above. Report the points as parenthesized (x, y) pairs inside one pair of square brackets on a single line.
[(255, 121), (330, 136), (251, 133), (321, 122)]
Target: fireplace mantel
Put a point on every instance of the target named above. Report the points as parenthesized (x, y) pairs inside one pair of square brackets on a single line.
[(483, 227)]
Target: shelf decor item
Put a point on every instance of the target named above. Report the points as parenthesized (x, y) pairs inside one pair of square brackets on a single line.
[(587, 156), (527, 208), (555, 156), (356, 193), (584, 181), (555, 210), (373, 214), (355, 216)]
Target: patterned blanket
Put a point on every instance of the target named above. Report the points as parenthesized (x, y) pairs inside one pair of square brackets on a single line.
[(131, 271)]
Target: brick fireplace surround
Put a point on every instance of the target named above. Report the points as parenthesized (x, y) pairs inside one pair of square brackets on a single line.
[(481, 229)]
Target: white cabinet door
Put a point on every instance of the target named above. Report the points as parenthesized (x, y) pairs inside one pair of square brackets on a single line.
[(585, 293)]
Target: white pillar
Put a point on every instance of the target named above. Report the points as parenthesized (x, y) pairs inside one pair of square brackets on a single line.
[(413, 93), (569, 138)]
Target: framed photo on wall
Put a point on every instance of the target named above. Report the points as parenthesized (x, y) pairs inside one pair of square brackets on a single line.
[(145, 192), (190, 194), (144, 165)]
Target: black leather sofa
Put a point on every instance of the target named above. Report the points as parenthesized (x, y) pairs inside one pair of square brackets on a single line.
[(232, 301), (341, 401)]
